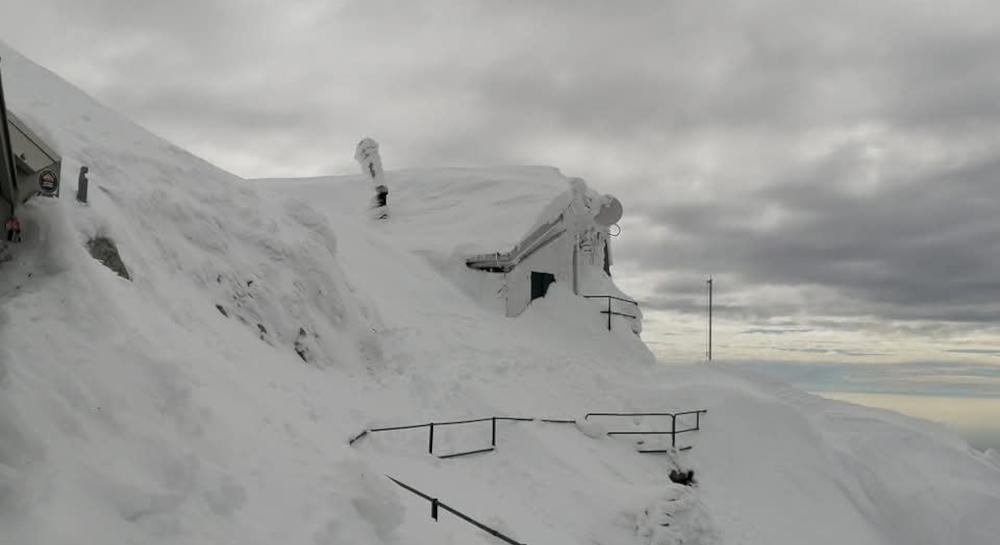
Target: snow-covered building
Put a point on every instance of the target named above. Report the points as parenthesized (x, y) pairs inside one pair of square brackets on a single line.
[(571, 244), (27, 164)]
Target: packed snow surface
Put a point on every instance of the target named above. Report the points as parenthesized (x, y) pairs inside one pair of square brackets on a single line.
[(210, 398)]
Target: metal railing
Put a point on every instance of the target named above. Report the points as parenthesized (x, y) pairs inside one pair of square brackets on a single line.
[(437, 505), (611, 312), (431, 426), (673, 432)]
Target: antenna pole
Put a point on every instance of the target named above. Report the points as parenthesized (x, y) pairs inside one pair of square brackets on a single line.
[(709, 318)]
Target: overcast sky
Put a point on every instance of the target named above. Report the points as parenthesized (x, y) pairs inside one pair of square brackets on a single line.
[(835, 165)]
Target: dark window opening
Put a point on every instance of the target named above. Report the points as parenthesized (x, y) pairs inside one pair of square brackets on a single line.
[(540, 283)]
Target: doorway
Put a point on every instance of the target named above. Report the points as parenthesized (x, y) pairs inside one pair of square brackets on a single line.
[(540, 283)]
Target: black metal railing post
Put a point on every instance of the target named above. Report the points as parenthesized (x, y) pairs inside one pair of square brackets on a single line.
[(493, 435), (609, 314), (673, 431), (434, 508), (430, 438)]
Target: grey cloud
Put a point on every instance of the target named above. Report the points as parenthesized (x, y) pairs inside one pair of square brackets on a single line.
[(920, 249)]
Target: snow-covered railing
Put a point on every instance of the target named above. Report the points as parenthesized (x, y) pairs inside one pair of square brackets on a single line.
[(673, 432), (610, 312), (437, 504), (431, 426)]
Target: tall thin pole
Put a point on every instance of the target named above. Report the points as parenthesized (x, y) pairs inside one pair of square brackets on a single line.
[(709, 318)]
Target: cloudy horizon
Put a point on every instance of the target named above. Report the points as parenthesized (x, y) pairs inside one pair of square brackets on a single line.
[(834, 167)]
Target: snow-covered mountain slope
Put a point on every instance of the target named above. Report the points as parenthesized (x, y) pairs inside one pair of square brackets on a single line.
[(177, 407)]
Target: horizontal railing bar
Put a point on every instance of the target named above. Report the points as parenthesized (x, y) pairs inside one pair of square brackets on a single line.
[(641, 433), (674, 416), (618, 314), (588, 415), (397, 428), (651, 432), (470, 421), (456, 422), (457, 454), (411, 489), (622, 299), (699, 411), (450, 423), (479, 525)]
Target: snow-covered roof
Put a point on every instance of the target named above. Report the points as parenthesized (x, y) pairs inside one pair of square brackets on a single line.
[(445, 211)]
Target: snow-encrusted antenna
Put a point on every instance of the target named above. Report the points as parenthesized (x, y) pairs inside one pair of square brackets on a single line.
[(609, 210), (367, 155)]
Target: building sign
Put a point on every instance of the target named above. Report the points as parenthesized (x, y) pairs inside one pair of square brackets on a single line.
[(48, 182)]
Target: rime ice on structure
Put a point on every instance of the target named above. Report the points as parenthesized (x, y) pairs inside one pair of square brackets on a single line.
[(569, 244), (366, 154)]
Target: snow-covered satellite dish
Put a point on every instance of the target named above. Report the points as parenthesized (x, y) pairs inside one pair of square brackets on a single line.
[(610, 212)]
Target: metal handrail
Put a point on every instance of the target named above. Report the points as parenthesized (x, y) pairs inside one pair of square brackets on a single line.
[(673, 432), (616, 298), (610, 312), (437, 504), (432, 425)]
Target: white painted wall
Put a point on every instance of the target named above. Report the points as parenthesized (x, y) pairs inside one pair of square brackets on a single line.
[(557, 258), (554, 258)]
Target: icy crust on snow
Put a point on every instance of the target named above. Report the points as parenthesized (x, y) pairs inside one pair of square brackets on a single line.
[(137, 412)]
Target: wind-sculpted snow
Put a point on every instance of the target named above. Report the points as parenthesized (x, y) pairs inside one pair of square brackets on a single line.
[(209, 399)]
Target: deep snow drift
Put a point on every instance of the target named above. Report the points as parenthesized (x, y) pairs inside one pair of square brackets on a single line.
[(210, 398)]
